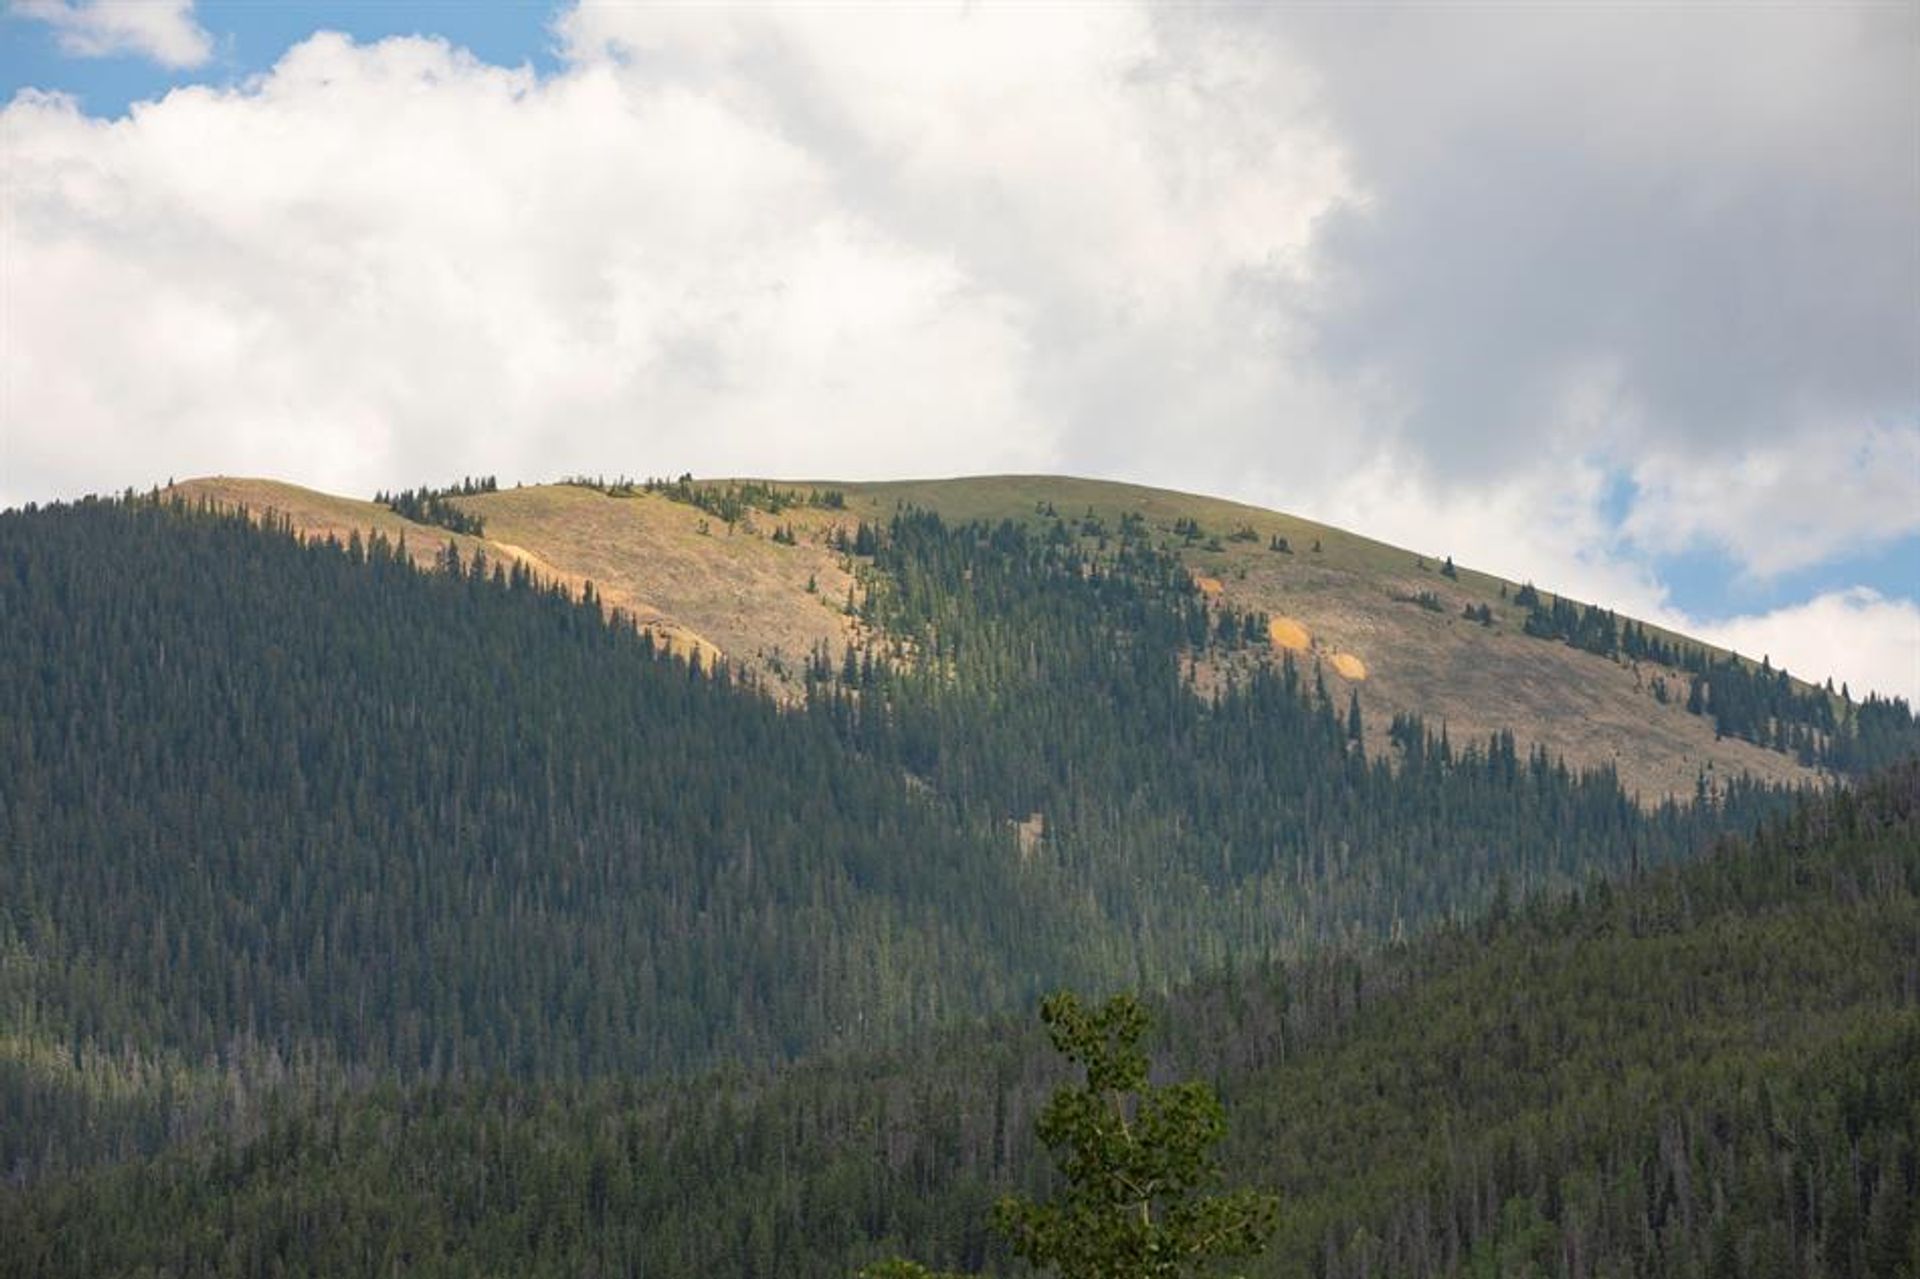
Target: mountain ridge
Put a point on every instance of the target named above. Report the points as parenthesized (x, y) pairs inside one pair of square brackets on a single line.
[(1385, 623)]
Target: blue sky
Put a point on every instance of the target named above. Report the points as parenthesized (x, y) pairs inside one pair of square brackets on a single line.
[(1617, 299), (1712, 583), (248, 38)]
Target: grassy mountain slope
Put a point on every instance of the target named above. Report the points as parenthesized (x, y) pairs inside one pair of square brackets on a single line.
[(722, 593), (1353, 605), (1712, 1070), (1358, 596)]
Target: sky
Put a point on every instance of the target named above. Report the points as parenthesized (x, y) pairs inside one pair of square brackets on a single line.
[(1621, 299)]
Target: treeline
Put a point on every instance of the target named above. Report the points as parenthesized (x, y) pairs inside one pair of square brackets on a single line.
[(729, 501), (433, 506), (1707, 1070), (1758, 704)]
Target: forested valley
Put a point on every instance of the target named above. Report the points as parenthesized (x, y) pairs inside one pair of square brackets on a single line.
[(361, 918), (1707, 1070)]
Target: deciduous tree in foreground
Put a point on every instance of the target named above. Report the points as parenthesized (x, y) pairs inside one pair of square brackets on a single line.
[(1141, 1198)]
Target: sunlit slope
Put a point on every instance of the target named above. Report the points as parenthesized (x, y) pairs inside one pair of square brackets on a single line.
[(1353, 605), (1379, 620), (701, 585)]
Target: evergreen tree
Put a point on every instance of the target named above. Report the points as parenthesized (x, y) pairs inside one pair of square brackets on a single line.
[(1141, 1197), (1138, 1160)]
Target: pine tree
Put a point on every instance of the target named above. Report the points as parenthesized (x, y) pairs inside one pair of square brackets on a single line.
[(1138, 1161), (1140, 1200)]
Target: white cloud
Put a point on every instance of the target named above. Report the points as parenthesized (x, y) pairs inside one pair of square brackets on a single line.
[(1783, 505), (162, 30), (1688, 225), (1676, 238), (387, 263), (1857, 636), (1140, 181), (828, 241)]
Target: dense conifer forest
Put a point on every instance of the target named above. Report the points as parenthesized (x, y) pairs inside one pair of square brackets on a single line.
[(355, 916), (309, 799), (1707, 1070)]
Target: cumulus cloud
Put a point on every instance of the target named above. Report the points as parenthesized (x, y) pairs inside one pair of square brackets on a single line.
[(162, 30), (1141, 182), (1784, 504), (835, 241), (392, 261), (1682, 232)]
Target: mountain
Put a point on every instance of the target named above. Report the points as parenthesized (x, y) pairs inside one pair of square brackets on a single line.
[(699, 563), (318, 809), (1712, 1069), (284, 800)]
